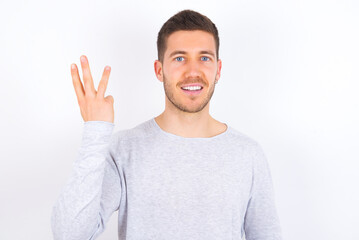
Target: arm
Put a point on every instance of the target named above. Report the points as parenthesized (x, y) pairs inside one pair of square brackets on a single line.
[(93, 191), (261, 219)]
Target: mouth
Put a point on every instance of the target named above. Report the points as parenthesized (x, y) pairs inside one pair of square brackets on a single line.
[(192, 90)]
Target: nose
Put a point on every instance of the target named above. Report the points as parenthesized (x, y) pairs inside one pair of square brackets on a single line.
[(193, 69)]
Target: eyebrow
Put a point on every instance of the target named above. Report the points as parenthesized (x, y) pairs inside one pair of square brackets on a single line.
[(184, 52)]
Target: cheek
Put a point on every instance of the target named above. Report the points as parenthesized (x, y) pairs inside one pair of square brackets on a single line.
[(174, 72), (209, 68), (211, 73)]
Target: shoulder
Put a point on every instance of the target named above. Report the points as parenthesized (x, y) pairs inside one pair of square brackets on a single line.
[(140, 131), (252, 150), (241, 139), (245, 145)]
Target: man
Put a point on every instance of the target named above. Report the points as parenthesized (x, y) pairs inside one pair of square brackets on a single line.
[(180, 175)]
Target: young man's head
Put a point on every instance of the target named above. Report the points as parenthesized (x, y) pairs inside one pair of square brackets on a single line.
[(186, 20), (188, 63)]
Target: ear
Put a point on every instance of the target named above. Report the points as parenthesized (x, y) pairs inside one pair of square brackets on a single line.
[(219, 67), (158, 70)]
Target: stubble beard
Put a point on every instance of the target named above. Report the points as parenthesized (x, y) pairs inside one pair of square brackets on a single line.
[(184, 108)]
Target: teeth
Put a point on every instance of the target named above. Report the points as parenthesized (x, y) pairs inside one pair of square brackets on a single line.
[(192, 88)]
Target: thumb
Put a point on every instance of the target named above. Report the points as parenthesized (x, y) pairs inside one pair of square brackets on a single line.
[(109, 98)]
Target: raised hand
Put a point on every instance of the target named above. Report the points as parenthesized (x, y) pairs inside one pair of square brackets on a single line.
[(94, 106)]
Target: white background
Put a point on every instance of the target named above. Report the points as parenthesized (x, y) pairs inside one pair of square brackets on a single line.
[(289, 80)]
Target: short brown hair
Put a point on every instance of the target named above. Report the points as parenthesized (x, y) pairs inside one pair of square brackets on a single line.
[(185, 20)]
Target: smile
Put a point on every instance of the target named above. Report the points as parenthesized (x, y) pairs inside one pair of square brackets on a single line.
[(192, 91)]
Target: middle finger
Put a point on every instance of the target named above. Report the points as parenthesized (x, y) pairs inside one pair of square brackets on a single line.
[(86, 72)]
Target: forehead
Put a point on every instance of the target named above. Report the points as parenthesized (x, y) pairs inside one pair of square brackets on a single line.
[(190, 41)]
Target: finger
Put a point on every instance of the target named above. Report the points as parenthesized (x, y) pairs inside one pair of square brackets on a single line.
[(87, 78), (110, 98), (80, 93), (103, 83)]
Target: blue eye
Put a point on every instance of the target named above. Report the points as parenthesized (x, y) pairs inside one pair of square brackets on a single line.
[(177, 59), (205, 58)]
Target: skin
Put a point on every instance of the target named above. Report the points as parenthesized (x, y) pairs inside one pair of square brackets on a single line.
[(94, 106), (188, 116)]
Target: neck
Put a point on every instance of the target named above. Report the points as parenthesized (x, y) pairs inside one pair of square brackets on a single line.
[(190, 125)]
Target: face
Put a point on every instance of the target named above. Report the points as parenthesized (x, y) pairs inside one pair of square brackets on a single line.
[(189, 60)]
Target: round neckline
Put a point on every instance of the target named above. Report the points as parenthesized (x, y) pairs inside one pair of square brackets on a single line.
[(174, 136)]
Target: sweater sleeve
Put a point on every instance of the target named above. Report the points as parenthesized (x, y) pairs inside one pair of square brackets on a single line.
[(93, 191), (261, 219)]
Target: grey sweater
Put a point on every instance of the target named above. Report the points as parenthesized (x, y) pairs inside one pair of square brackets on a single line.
[(167, 187)]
